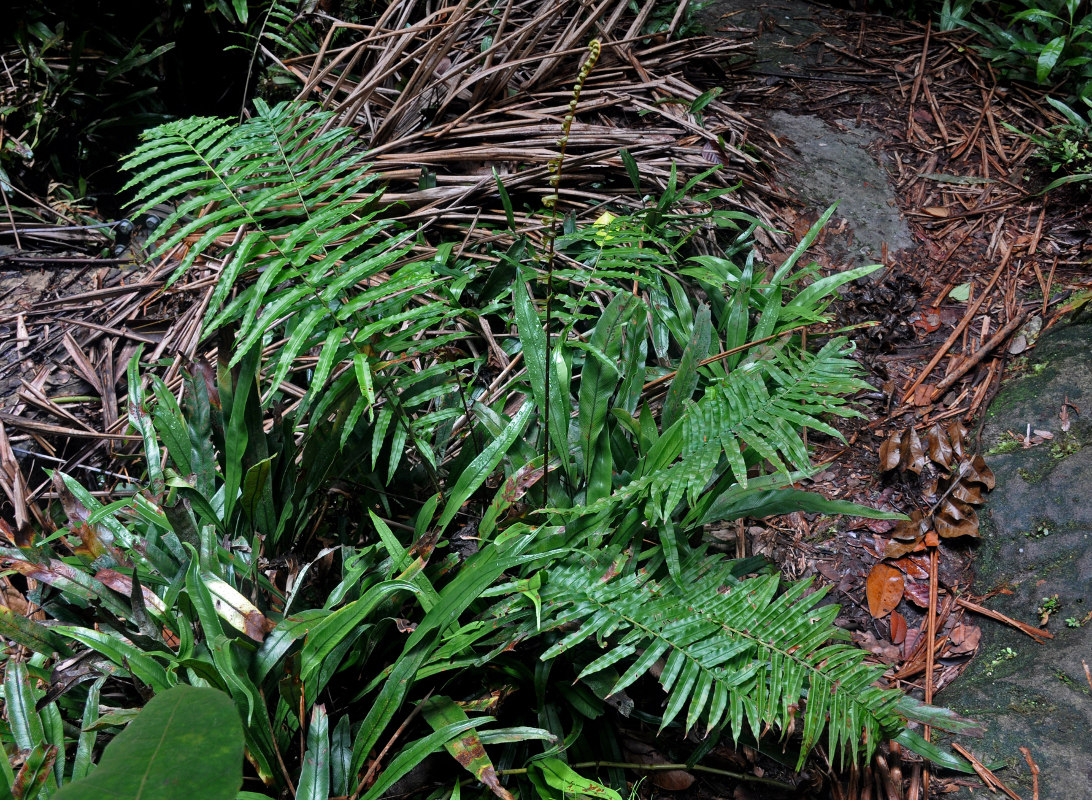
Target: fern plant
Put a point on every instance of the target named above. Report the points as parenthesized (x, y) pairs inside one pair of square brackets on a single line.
[(677, 394)]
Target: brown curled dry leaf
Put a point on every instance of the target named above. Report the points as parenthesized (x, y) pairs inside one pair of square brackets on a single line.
[(884, 589)]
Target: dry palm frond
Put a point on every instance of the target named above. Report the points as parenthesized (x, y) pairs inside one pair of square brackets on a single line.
[(444, 98)]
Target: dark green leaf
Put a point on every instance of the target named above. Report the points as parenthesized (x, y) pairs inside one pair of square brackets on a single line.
[(186, 741)]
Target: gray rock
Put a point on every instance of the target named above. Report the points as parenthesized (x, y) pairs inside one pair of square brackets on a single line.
[(1036, 546)]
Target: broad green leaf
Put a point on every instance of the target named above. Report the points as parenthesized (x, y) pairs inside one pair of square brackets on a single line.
[(561, 776), (467, 749), (85, 744), (19, 699), (686, 376), (785, 501), (186, 742), (480, 468), (314, 783), (598, 384), (802, 246), (1048, 57)]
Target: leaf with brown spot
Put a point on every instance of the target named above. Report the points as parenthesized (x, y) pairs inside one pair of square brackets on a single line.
[(940, 449), (889, 452), (468, 750), (884, 589)]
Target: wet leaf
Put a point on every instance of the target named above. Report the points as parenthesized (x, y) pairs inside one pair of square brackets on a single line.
[(913, 567), (889, 452), (912, 454), (917, 593), (940, 449), (898, 628), (884, 589)]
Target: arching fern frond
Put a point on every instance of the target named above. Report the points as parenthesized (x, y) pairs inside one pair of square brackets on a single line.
[(306, 262), (731, 651), (756, 412)]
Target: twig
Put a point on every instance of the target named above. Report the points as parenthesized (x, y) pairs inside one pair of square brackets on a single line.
[(980, 354), (739, 776), (930, 651), (1034, 773), (993, 783), (918, 77), (370, 774), (958, 330), (1038, 634)]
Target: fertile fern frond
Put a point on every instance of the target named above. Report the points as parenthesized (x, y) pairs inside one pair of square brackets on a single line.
[(731, 650)]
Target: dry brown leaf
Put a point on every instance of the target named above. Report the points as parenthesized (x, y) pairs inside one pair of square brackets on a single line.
[(956, 434), (889, 452), (965, 639), (940, 449), (897, 549), (968, 493), (884, 588), (981, 473), (936, 211), (884, 651), (911, 454), (898, 628), (673, 780)]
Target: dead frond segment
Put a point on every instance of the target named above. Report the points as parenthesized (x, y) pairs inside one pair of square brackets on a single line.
[(445, 98)]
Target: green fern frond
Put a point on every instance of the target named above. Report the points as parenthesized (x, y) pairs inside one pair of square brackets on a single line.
[(755, 412), (731, 651), (284, 201)]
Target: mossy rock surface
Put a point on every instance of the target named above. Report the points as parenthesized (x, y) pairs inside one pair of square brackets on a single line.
[(1037, 545)]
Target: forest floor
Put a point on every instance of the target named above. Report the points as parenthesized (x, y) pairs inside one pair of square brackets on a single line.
[(908, 130)]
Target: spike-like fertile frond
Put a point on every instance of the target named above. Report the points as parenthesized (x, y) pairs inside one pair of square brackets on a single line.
[(731, 650)]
